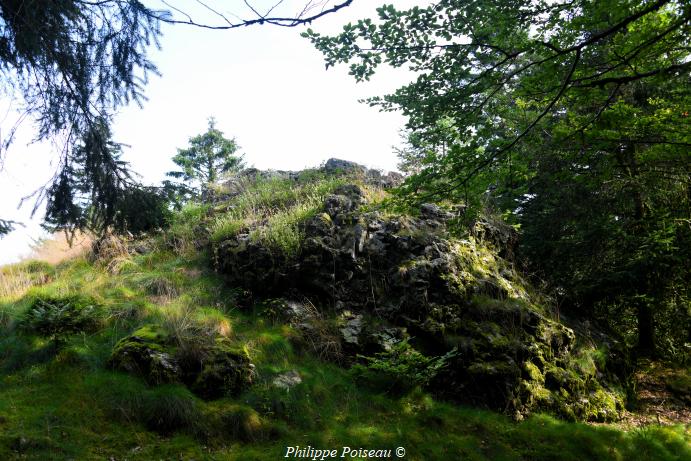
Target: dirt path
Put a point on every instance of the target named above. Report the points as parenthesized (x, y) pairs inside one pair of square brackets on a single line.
[(664, 396)]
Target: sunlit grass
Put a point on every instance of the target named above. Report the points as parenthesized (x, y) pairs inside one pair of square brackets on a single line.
[(271, 212)]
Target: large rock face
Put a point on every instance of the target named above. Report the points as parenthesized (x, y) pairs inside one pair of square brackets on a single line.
[(444, 292)]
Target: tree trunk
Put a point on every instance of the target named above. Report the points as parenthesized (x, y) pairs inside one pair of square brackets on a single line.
[(646, 330)]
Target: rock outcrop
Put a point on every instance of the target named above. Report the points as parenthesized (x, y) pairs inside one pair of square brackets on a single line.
[(387, 277), (216, 369)]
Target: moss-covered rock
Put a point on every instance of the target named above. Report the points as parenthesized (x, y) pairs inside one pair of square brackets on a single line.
[(227, 370), (217, 369), (447, 292), (147, 353)]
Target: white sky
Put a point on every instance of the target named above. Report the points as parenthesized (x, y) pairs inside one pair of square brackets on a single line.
[(266, 86)]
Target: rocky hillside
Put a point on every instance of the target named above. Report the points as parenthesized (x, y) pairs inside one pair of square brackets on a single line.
[(305, 309)]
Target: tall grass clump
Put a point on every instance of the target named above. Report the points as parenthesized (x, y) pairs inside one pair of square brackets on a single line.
[(16, 279), (193, 330), (112, 253), (164, 409), (187, 227), (271, 211)]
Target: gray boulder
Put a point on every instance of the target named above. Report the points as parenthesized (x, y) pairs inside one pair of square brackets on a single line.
[(335, 165)]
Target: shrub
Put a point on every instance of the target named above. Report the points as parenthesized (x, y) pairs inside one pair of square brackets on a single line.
[(401, 368), (58, 317)]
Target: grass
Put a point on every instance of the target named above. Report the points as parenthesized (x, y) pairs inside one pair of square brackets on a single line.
[(66, 404), (271, 210), (15, 280), (63, 413)]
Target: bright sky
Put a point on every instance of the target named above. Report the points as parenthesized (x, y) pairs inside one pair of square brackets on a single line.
[(266, 86)]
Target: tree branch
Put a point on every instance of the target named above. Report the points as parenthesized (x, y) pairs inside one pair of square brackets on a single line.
[(299, 19), (489, 160)]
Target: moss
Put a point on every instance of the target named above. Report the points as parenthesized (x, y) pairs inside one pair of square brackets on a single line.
[(226, 371), (535, 396), (603, 406), (534, 372), (242, 422), (559, 337), (680, 384), (478, 267), (147, 353), (559, 378), (325, 218)]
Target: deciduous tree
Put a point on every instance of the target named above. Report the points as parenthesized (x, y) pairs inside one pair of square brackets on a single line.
[(573, 113)]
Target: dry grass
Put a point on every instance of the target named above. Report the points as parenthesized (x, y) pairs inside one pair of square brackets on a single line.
[(111, 252), (194, 329), (321, 335), (57, 249), (14, 282), (16, 279)]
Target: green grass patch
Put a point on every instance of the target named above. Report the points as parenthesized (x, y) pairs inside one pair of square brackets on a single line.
[(271, 211)]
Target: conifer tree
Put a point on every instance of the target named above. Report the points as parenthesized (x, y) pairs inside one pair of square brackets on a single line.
[(209, 156)]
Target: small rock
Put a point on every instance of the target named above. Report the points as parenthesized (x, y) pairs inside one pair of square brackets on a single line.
[(353, 192), (287, 310), (336, 205), (434, 212), (350, 332), (287, 380)]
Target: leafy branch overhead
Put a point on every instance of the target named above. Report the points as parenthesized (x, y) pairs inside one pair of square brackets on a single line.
[(570, 118), (474, 59)]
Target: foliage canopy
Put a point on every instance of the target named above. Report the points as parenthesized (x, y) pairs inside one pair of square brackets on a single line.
[(570, 117)]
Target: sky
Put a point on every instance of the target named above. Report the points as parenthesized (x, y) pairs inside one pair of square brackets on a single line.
[(266, 86)]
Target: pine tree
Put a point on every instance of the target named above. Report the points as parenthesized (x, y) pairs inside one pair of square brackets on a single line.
[(209, 156)]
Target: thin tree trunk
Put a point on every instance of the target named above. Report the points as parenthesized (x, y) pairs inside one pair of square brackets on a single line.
[(646, 330)]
